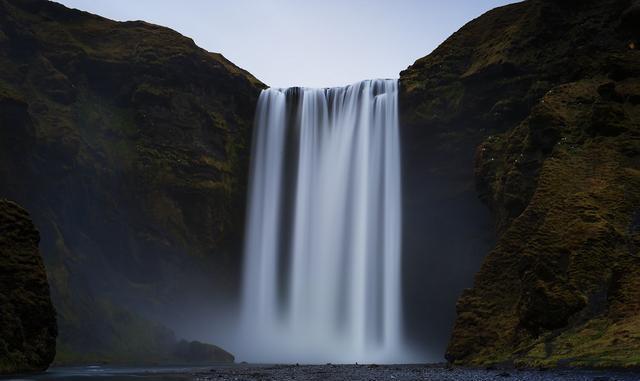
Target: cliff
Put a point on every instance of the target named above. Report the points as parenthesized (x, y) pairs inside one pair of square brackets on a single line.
[(546, 94), (27, 317), (129, 145)]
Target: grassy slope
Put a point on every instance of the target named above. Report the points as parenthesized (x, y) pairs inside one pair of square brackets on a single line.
[(551, 91), (129, 145)]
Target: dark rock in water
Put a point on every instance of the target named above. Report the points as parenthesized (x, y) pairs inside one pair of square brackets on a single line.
[(27, 318), (197, 352)]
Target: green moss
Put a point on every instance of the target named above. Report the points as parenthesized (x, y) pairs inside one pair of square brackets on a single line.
[(130, 144), (566, 243), (8, 92), (27, 317), (108, 129), (557, 115)]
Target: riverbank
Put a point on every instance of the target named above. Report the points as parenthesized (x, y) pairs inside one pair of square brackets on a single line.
[(329, 372)]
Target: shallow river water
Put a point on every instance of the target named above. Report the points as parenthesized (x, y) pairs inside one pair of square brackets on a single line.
[(242, 372)]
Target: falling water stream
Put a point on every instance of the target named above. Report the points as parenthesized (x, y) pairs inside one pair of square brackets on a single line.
[(322, 248)]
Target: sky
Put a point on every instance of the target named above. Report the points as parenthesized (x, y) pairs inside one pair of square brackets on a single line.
[(311, 43)]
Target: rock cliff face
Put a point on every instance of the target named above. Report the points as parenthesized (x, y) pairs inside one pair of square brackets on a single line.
[(129, 145), (546, 94), (27, 317)]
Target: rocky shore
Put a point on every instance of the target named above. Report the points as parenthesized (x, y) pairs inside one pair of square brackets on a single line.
[(329, 372), (405, 372)]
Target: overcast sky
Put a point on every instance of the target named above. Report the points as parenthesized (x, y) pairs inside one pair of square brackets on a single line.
[(314, 43)]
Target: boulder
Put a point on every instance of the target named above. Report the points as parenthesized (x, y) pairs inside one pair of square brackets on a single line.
[(27, 318)]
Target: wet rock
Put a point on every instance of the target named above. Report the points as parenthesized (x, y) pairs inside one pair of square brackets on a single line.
[(197, 352)]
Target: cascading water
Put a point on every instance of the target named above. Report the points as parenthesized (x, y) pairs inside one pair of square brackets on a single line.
[(322, 250)]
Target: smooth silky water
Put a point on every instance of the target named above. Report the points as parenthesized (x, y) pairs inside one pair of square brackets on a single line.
[(322, 273)]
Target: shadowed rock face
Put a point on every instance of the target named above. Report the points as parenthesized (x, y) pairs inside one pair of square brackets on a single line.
[(129, 144), (27, 317), (197, 352), (546, 95)]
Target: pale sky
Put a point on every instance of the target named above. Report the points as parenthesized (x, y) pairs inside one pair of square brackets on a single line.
[(312, 43)]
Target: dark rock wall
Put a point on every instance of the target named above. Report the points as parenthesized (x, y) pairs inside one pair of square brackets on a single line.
[(27, 318), (571, 255), (130, 146), (544, 93)]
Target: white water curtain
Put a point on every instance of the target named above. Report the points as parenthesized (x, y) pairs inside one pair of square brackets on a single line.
[(322, 277)]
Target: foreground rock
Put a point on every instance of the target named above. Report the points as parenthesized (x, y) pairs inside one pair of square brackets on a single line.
[(248, 372), (546, 95), (129, 144), (202, 353), (27, 317), (403, 372)]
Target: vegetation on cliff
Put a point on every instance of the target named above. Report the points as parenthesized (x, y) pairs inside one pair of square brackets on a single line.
[(129, 145), (551, 89), (27, 318)]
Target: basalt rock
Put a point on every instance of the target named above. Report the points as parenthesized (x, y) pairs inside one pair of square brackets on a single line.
[(129, 144), (545, 93), (27, 318), (197, 352)]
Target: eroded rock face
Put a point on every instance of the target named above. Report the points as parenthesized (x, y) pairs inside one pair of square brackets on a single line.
[(130, 145), (545, 94), (561, 285), (27, 318)]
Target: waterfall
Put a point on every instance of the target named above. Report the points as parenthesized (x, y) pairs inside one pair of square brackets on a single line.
[(322, 249)]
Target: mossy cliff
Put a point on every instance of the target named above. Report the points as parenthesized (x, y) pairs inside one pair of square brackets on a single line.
[(27, 317), (547, 95), (129, 146)]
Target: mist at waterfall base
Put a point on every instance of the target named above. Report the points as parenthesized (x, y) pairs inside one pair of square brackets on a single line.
[(446, 231), (306, 182), (322, 272)]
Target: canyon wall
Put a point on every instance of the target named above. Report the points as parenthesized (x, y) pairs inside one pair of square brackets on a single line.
[(129, 146), (541, 100)]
